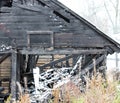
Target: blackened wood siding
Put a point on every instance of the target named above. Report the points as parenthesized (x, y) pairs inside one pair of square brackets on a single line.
[(68, 30)]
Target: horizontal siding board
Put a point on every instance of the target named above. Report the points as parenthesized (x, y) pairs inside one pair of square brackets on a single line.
[(78, 40), (22, 19), (24, 9)]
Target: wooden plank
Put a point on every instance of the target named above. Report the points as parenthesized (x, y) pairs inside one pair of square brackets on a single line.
[(5, 52), (4, 57), (23, 18), (5, 84), (13, 76), (52, 63), (39, 32), (33, 9), (33, 26), (61, 51), (18, 68), (73, 40), (89, 67), (5, 70), (31, 63), (4, 39), (5, 74), (32, 23), (6, 9)]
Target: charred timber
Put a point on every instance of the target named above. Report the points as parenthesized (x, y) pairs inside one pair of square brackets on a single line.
[(56, 61), (73, 51)]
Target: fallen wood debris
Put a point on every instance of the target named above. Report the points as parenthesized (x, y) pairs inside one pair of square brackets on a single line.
[(45, 83)]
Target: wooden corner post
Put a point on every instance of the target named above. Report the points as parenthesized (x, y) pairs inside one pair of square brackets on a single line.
[(13, 76)]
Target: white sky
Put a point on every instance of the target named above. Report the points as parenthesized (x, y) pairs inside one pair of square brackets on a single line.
[(95, 12), (80, 5), (75, 5)]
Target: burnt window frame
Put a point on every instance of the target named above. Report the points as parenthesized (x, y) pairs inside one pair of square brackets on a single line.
[(40, 33)]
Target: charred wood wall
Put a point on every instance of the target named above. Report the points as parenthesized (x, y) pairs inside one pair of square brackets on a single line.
[(19, 19)]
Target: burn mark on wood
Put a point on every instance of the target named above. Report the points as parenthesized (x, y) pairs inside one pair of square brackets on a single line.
[(31, 28), (61, 16)]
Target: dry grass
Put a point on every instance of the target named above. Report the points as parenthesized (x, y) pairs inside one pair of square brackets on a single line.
[(24, 99), (66, 93), (98, 90)]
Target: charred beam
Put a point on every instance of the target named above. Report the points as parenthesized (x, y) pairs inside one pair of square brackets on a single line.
[(4, 57), (13, 76), (37, 57), (65, 51), (31, 63), (74, 59), (67, 62), (19, 56), (87, 60), (98, 60), (56, 61), (5, 52)]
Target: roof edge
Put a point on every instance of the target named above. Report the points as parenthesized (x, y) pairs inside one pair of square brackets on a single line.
[(86, 22)]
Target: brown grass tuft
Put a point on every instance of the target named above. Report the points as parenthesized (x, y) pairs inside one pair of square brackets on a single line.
[(24, 99)]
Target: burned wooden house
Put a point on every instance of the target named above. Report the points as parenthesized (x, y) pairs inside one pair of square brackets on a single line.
[(31, 30)]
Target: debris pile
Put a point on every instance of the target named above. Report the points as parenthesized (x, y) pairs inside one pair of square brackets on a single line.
[(45, 83)]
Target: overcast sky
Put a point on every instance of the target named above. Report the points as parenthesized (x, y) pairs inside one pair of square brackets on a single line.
[(73, 4), (95, 12)]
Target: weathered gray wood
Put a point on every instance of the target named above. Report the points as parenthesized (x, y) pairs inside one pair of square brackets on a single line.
[(65, 51), (5, 52), (19, 56), (13, 76), (39, 32)]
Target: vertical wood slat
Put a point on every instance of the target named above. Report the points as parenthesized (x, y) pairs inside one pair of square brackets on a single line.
[(52, 40), (13, 76)]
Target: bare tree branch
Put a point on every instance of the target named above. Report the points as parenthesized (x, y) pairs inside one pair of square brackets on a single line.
[(116, 11), (108, 14), (112, 4)]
